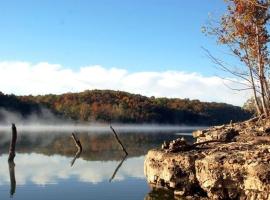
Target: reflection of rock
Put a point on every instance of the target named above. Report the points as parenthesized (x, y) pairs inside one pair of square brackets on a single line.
[(161, 194), (238, 168)]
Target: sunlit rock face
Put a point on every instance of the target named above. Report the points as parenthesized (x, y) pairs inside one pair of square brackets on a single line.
[(169, 170), (237, 167), (236, 174)]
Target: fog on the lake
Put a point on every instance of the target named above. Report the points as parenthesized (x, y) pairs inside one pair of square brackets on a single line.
[(46, 121), (46, 154), (39, 137), (96, 128)]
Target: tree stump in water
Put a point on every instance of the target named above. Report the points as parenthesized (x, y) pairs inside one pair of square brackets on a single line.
[(12, 146)]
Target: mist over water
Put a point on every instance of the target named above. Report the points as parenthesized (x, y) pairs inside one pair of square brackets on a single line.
[(42, 117), (97, 128), (46, 121), (45, 150)]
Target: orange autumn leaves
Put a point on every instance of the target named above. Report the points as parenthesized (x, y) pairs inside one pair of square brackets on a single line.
[(243, 29)]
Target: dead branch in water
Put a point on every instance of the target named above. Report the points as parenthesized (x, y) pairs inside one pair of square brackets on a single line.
[(117, 168), (77, 142), (79, 147), (118, 140), (12, 146)]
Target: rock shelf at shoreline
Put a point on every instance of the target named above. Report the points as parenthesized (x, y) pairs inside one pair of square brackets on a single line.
[(226, 162)]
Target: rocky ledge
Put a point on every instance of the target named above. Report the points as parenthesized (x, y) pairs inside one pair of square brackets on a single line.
[(226, 162)]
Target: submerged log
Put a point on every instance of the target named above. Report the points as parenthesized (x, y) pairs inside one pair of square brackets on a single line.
[(12, 147), (118, 140)]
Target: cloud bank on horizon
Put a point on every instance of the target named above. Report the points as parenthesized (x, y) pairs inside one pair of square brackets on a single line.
[(25, 78)]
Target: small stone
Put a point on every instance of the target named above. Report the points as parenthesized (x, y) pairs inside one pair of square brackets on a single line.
[(261, 129), (172, 184), (265, 151), (179, 192), (199, 133)]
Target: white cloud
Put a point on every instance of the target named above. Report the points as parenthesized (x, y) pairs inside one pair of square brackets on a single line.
[(23, 78)]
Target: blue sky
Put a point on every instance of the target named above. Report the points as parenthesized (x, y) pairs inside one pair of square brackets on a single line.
[(149, 47), (136, 35)]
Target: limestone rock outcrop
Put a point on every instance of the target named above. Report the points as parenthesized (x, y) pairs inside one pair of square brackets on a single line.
[(230, 162)]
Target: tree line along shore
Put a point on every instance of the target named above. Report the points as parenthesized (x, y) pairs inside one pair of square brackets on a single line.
[(117, 106)]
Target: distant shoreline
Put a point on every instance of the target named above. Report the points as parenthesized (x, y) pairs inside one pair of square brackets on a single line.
[(108, 106)]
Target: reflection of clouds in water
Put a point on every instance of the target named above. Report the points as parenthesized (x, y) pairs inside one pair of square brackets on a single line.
[(41, 169)]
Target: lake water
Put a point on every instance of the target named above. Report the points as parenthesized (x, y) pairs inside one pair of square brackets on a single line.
[(43, 164)]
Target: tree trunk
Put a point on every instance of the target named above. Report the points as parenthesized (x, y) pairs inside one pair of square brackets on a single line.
[(267, 92), (257, 105), (261, 72), (12, 143), (258, 108)]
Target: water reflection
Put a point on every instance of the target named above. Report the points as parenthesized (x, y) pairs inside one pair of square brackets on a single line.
[(77, 155), (118, 167), (45, 159), (42, 170), (11, 166), (159, 194), (79, 148), (95, 146)]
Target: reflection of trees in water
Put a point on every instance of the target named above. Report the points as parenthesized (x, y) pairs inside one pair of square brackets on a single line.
[(95, 146)]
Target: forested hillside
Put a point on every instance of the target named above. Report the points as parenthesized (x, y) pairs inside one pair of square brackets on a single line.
[(14, 104), (117, 106)]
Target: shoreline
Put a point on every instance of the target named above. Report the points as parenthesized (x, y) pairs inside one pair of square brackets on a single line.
[(235, 165)]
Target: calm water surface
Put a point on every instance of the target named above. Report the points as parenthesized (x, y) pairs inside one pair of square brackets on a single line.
[(43, 165)]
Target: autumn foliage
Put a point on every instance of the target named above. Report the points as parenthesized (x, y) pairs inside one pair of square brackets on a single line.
[(243, 29), (117, 106)]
